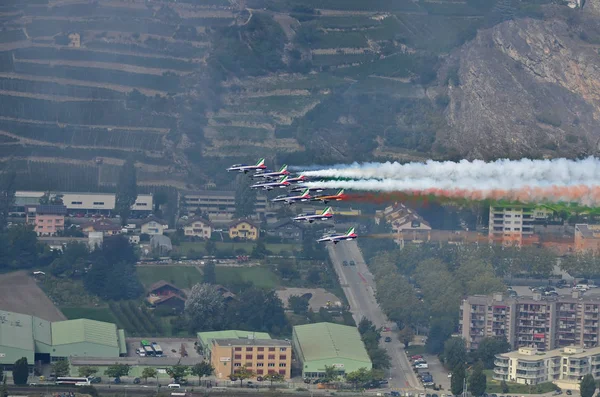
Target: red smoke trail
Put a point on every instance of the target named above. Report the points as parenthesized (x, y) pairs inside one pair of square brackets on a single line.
[(582, 194)]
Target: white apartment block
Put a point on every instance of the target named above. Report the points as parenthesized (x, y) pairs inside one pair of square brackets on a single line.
[(565, 367), (511, 224)]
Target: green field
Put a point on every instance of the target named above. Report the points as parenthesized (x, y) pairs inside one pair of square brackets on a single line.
[(230, 132), (259, 276), (91, 313), (413, 350), (180, 276), (335, 39), (186, 247)]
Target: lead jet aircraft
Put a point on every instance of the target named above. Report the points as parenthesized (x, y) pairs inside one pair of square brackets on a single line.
[(326, 198), (271, 185), (272, 175), (298, 179), (323, 216), (336, 238), (292, 199), (260, 165)]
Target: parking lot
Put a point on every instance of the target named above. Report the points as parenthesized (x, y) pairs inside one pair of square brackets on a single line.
[(436, 370), (171, 347), (526, 292)]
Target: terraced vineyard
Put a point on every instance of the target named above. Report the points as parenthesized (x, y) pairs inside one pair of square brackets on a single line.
[(186, 86)]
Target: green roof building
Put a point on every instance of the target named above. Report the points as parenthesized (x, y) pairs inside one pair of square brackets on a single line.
[(205, 338), (27, 336), (327, 344)]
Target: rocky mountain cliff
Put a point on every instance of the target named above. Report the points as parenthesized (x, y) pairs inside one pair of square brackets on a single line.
[(526, 87)]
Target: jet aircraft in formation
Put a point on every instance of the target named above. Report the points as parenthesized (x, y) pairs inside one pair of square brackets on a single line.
[(282, 179)]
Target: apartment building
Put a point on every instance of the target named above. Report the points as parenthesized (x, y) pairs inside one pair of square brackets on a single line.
[(565, 366), (536, 322), (587, 238), (47, 220), (511, 225), (218, 205), (261, 356)]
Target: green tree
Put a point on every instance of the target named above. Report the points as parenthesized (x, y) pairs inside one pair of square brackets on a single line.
[(86, 372), (504, 387), (210, 247), (488, 349), (298, 304), (458, 377), (1, 374), (380, 358), (245, 197), (149, 372), (178, 371), (20, 371), (587, 386), (274, 377), (358, 377), (242, 374), (331, 374), (477, 380), (159, 198), (210, 274), (61, 368), (202, 369), (4, 389), (8, 178), (117, 370), (406, 335), (126, 190), (259, 251), (204, 308), (455, 353)]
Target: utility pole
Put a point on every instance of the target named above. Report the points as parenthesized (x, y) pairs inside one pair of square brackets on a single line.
[(464, 393)]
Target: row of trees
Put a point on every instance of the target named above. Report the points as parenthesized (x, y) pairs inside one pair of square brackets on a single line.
[(371, 336)]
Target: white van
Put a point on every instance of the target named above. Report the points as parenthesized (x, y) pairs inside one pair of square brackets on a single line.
[(582, 287), (174, 386)]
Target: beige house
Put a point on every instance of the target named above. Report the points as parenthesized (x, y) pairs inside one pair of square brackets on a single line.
[(153, 226), (243, 229), (198, 227)]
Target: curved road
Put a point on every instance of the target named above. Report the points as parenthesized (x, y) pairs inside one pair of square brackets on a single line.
[(359, 288)]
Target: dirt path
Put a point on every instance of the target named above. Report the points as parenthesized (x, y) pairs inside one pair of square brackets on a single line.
[(20, 293)]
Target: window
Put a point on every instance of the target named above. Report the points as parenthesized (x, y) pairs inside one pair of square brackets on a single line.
[(282, 371), (141, 204), (282, 365), (259, 371), (249, 349), (238, 357), (237, 364), (271, 349), (282, 357), (238, 349), (260, 364), (271, 371), (98, 202), (260, 349), (260, 357), (271, 364), (283, 349), (76, 203), (248, 356), (271, 357)]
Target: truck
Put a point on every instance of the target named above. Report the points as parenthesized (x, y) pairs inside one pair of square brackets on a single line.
[(157, 349)]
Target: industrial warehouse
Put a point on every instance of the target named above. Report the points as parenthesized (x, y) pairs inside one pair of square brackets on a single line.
[(42, 341)]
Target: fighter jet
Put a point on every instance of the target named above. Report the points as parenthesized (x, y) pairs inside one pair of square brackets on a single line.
[(292, 199), (272, 175), (298, 179), (260, 165), (271, 185), (325, 199), (301, 188), (336, 238), (323, 216)]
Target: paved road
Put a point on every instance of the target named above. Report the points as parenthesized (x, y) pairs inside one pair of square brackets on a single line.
[(359, 287)]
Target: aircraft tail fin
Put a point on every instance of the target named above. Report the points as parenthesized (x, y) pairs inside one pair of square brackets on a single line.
[(283, 179), (283, 168), (305, 193), (350, 231), (260, 162), (326, 211), (340, 192)]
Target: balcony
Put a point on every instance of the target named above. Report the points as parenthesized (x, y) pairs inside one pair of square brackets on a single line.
[(501, 362), (501, 371)]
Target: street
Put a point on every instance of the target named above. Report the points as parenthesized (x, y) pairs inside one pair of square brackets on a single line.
[(359, 288)]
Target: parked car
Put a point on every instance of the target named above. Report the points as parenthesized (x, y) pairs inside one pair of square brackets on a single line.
[(422, 366), (136, 381), (345, 263), (416, 357), (388, 339), (569, 392), (352, 263)]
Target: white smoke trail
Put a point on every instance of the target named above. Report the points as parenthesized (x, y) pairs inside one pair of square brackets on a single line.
[(502, 174)]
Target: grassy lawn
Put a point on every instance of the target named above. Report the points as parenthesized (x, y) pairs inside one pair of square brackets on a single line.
[(180, 276), (413, 350), (494, 386), (185, 247), (91, 313), (259, 276)]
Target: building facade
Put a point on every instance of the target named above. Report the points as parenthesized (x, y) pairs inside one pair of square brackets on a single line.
[(261, 356), (153, 226), (544, 324), (511, 225), (218, 205), (198, 227), (565, 367), (205, 338), (243, 229), (327, 344), (105, 227), (286, 229), (47, 220), (587, 238)]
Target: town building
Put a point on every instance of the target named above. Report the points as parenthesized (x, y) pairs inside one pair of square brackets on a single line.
[(105, 227), (153, 226), (543, 323), (44, 341), (166, 295), (244, 229), (205, 338), (161, 244), (587, 238), (47, 220), (286, 229), (261, 356), (219, 206), (406, 223), (565, 367), (198, 227), (511, 225), (327, 344)]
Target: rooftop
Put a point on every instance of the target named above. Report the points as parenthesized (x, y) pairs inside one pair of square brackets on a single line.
[(207, 337), (322, 341), (16, 330), (251, 342), (239, 221), (531, 354), (588, 231), (160, 284), (83, 330), (51, 210)]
